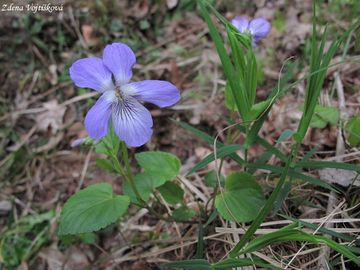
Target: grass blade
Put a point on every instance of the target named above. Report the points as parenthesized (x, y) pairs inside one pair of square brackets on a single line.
[(239, 96), (297, 235), (315, 164), (321, 230), (197, 264), (233, 263), (295, 174), (221, 152), (200, 244), (207, 138)]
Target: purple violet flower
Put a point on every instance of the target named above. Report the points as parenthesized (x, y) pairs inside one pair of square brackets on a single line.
[(258, 28), (121, 100)]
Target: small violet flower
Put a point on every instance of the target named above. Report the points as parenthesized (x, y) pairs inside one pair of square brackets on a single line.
[(121, 100), (258, 28)]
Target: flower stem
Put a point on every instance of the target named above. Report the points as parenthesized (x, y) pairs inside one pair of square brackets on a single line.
[(129, 175)]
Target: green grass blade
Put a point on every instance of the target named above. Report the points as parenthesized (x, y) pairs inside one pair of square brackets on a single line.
[(197, 264), (315, 164), (269, 147), (293, 173), (321, 230), (221, 152), (319, 61), (211, 218), (256, 126), (238, 55), (239, 96), (251, 78), (207, 138), (233, 263), (197, 132), (309, 154), (297, 235), (200, 244)]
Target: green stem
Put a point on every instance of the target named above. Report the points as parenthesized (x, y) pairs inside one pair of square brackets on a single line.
[(127, 174), (115, 160), (246, 151), (130, 177), (157, 198)]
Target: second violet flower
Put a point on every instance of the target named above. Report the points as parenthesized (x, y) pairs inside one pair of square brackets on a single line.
[(121, 100), (258, 28)]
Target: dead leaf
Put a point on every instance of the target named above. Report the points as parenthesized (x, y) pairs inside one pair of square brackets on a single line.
[(196, 118), (53, 257), (52, 143), (5, 206), (176, 77), (296, 31), (171, 3), (142, 264), (53, 73), (140, 9), (21, 100), (52, 118), (77, 259), (87, 32), (201, 152), (339, 176), (77, 129), (73, 259)]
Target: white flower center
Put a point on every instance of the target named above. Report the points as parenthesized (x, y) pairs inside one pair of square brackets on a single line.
[(119, 93)]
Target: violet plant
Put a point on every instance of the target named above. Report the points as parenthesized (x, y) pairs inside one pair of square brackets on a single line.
[(119, 120)]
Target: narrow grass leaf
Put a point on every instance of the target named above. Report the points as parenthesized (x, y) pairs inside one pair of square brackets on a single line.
[(297, 235), (221, 152), (321, 230), (294, 174), (234, 263), (196, 264), (207, 138), (328, 164), (200, 243), (239, 96)]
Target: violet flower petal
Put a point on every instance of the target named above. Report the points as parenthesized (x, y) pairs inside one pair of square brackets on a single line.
[(97, 118), (240, 23), (91, 73), (259, 28), (132, 122), (119, 58), (160, 93)]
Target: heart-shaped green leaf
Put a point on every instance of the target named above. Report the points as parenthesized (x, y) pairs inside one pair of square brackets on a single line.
[(145, 184), (92, 209), (183, 213), (161, 165), (323, 116), (242, 197), (353, 130), (171, 192)]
